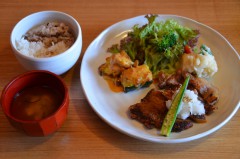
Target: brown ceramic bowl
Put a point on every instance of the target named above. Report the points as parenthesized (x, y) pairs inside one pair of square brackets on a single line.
[(28, 104)]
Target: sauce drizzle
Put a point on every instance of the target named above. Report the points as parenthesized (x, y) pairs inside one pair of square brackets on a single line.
[(112, 85)]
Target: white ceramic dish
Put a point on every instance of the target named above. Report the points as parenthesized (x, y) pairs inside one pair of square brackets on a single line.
[(112, 107), (58, 64)]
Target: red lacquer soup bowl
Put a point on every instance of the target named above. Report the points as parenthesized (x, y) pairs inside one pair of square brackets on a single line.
[(36, 102)]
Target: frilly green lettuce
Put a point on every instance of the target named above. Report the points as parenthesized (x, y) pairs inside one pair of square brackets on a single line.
[(157, 44)]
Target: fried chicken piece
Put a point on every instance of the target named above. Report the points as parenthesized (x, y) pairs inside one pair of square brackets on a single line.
[(136, 76), (115, 64)]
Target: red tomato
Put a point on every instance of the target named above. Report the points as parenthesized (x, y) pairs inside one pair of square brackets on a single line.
[(187, 49)]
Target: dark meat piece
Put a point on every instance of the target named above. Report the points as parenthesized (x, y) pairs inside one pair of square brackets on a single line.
[(151, 110), (206, 91), (172, 82), (168, 93), (198, 118), (181, 125)]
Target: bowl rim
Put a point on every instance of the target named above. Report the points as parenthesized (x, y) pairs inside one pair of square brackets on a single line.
[(16, 78), (78, 40)]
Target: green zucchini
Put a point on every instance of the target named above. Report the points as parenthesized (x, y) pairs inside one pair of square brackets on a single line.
[(132, 88), (171, 116)]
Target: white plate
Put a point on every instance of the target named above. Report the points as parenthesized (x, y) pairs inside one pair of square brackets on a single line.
[(112, 107)]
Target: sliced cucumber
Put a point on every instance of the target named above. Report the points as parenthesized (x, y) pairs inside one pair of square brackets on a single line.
[(171, 116)]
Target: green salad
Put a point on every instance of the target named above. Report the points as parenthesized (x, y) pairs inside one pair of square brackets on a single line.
[(159, 44)]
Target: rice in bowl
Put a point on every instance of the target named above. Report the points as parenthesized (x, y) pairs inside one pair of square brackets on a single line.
[(46, 40)]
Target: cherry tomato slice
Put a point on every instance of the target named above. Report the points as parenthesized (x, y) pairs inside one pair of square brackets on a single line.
[(187, 49)]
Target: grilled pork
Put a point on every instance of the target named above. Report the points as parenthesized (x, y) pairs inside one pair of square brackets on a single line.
[(207, 93), (152, 110)]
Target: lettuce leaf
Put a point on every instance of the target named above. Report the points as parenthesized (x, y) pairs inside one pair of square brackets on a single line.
[(157, 44)]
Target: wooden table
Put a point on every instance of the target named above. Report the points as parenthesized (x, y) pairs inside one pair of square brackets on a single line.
[(84, 134)]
